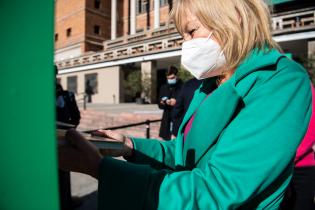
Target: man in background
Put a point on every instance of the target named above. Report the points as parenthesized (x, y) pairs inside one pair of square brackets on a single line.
[(167, 101), (182, 102)]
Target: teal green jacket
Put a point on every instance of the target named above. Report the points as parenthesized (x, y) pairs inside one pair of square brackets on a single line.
[(238, 154)]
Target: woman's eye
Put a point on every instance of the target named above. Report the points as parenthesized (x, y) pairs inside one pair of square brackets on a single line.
[(192, 32)]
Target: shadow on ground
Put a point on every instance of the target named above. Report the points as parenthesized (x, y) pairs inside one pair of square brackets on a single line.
[(87, 202)]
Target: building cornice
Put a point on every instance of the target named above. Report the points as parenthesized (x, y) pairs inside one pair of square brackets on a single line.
[(101, 39), (97, 12), (73, 46), (149, 57), (295, 36)]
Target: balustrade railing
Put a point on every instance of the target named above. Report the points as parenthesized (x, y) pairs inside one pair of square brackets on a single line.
[(301, 20)]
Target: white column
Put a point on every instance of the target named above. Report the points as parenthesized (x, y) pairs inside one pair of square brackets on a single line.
[(156, 14), (149, 80), (311, 50), (114, 19), (133, 16)]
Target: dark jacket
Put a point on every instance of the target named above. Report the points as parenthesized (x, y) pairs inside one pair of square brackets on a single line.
[(182, 102), (67, 109), (169, 91)]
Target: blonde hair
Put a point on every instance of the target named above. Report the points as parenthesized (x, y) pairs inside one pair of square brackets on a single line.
[(240, 25)]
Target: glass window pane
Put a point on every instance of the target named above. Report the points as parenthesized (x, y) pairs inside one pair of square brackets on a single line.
[(72, 84), (91, 83)]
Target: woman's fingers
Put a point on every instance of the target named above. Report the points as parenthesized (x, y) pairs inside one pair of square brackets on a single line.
[(113, 135), (98, 133), (78, 141)]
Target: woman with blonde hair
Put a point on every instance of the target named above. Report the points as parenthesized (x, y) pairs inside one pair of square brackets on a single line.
[(236, 144)]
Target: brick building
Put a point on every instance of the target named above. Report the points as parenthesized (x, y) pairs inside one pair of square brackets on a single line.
[(110, 39), (80, 27)]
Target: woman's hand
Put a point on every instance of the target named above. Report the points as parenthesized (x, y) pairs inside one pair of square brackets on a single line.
[(79, 155), (128, 145)]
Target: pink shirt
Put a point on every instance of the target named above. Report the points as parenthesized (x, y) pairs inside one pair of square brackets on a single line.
[(188, 126), (304, 154), (190, 122)]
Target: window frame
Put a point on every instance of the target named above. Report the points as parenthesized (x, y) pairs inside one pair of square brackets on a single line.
[(94, 86), (97, 4), (163, 3), (98, 27), (69, 32), (142, 7), (69, 88)]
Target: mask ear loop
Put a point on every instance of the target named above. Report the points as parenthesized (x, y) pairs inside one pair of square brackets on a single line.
[(211, 33)]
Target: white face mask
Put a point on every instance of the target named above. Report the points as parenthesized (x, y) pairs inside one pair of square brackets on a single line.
[(203, 57)]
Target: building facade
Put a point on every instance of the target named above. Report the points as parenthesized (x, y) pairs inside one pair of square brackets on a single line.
[(81, 27), (136, 39)]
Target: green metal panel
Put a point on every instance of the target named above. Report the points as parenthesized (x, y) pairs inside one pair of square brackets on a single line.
[(280, 1), (28, 177)]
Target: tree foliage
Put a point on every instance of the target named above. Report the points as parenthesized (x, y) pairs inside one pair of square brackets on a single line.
[(132, 84), (183, 74), (309, 64)]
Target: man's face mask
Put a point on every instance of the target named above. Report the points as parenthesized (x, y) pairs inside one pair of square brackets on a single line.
[(171, 81)]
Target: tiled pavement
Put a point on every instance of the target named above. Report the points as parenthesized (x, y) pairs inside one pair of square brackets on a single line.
[(99, 116)]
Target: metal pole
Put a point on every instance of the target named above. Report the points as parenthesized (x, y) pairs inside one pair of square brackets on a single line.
[(147, 129), (84, 102)]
